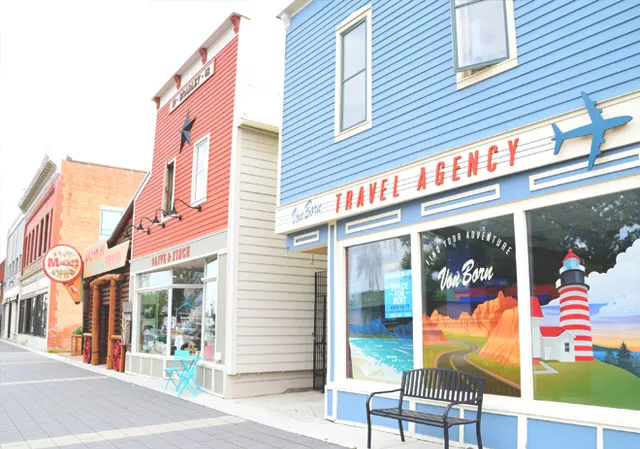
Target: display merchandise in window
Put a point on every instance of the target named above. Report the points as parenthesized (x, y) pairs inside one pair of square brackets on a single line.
[(186, 319), (154, 323), (470, 319), (380, 313), (585, 305)]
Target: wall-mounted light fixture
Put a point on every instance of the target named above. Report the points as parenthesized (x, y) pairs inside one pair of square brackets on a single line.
[(141, 228), (174, 212), (157, 222)]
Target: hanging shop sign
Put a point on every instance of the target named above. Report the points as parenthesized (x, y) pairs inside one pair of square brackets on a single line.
[(191, 86), (99, 258), (534, 146), (63, 264)]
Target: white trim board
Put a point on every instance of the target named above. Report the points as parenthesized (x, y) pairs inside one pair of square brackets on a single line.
[(534, 149)]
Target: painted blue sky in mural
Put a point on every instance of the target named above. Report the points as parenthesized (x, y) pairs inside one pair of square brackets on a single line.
[(597, 129)]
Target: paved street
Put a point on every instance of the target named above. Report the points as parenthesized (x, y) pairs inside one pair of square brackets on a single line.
[(45, 403)]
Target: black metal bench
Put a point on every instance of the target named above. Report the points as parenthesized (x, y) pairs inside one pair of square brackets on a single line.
[(442, 385)]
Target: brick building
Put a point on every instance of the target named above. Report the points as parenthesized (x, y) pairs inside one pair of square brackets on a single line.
[(74, 204), (1, 296)]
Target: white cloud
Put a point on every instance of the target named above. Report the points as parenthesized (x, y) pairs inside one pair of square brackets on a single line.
[(619, 287)]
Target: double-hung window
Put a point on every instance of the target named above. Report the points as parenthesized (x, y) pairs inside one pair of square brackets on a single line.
[(199, 173), (169, 185), (353, 74), (484, 41)]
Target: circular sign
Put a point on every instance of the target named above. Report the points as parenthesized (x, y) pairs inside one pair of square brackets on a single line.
[(62, 263)]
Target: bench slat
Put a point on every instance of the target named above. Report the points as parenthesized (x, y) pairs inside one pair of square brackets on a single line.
[(419, 417)]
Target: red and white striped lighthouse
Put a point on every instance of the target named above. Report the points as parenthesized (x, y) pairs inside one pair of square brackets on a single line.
[(574, 305)]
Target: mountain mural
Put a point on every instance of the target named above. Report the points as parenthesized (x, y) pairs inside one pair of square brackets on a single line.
[(483, 320), (503, 344), (431, 333)]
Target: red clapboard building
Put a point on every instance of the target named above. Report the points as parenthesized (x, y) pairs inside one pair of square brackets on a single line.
[(208, 274)]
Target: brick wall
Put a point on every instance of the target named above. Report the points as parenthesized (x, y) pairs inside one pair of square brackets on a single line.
[(83, 189)]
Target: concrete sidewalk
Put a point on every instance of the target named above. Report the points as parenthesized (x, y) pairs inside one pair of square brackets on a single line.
[(298, 413)]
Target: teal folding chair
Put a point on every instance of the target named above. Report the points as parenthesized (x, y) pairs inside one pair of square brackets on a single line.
[(188, 375), (177, 369)]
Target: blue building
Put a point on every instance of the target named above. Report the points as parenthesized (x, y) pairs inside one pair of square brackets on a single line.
[(447, 156)]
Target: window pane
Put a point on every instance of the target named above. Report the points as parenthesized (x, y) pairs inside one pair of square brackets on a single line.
[(354, 50), (155, 279), (211, 299), (584, 261), (186, 319), (188, 275), (481, 32), (154, 322), (201, 186), (45, 309), (201, 163), (380, 310), (108, 221), (470, 320), (354, 101), (212, 268)]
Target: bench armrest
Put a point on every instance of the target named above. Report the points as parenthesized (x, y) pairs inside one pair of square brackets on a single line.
[(376, 393), (454, 403)]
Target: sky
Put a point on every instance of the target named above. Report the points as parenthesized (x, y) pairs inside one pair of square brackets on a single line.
[(77, 77)]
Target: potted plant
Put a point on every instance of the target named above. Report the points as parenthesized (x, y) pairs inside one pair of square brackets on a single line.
[(76, 342)]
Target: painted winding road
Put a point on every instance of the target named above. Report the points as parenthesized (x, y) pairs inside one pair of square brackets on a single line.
[(458, 360)]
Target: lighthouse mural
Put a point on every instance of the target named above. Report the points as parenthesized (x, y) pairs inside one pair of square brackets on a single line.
[(574, 306), (571, 341)]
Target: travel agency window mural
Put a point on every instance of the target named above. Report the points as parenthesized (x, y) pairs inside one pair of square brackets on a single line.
[(380, 331), (585, 305), (470, 319)]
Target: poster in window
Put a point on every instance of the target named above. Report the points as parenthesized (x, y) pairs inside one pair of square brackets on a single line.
[(380, 332), (470, 320), (585, 304), (397, 294)]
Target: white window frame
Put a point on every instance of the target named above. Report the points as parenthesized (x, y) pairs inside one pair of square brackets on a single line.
[(194, 170), (353, 19), (164, 189), (107, 209), (526, 405), (468, 78)]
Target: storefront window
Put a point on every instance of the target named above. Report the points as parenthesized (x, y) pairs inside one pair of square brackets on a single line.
[(470, 320), (186, 319), (585, 305), (379, 294), (155, 279), (211, 300), (188, 276), (154, 322)]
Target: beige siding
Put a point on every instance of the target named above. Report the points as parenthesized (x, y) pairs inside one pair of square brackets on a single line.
[(275, 296)]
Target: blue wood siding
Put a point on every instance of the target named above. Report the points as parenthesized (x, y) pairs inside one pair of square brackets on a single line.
[(564, 47)]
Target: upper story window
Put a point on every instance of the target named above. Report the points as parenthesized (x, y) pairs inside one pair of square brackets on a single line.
[(109, 218), (484, 39), (199, 173), (353, 75), (169, 186)]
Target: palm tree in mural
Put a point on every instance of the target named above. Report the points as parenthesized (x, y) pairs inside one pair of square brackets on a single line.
[(370, 260)]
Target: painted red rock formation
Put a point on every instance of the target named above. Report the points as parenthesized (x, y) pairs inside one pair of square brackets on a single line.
[(503, 344), (431, 334)]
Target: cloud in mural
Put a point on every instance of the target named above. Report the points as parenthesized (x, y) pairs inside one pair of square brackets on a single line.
[(619, 287)]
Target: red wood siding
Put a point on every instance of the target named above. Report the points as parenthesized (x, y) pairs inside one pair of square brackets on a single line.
[(212, 108)]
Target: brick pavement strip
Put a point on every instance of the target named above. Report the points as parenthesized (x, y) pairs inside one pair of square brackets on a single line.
[(45, 404)]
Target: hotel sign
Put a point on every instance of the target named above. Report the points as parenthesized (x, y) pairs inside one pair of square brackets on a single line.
[(99, 258), (185, 91)]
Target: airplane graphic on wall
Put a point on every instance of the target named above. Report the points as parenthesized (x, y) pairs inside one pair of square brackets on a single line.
[(597, 129)]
